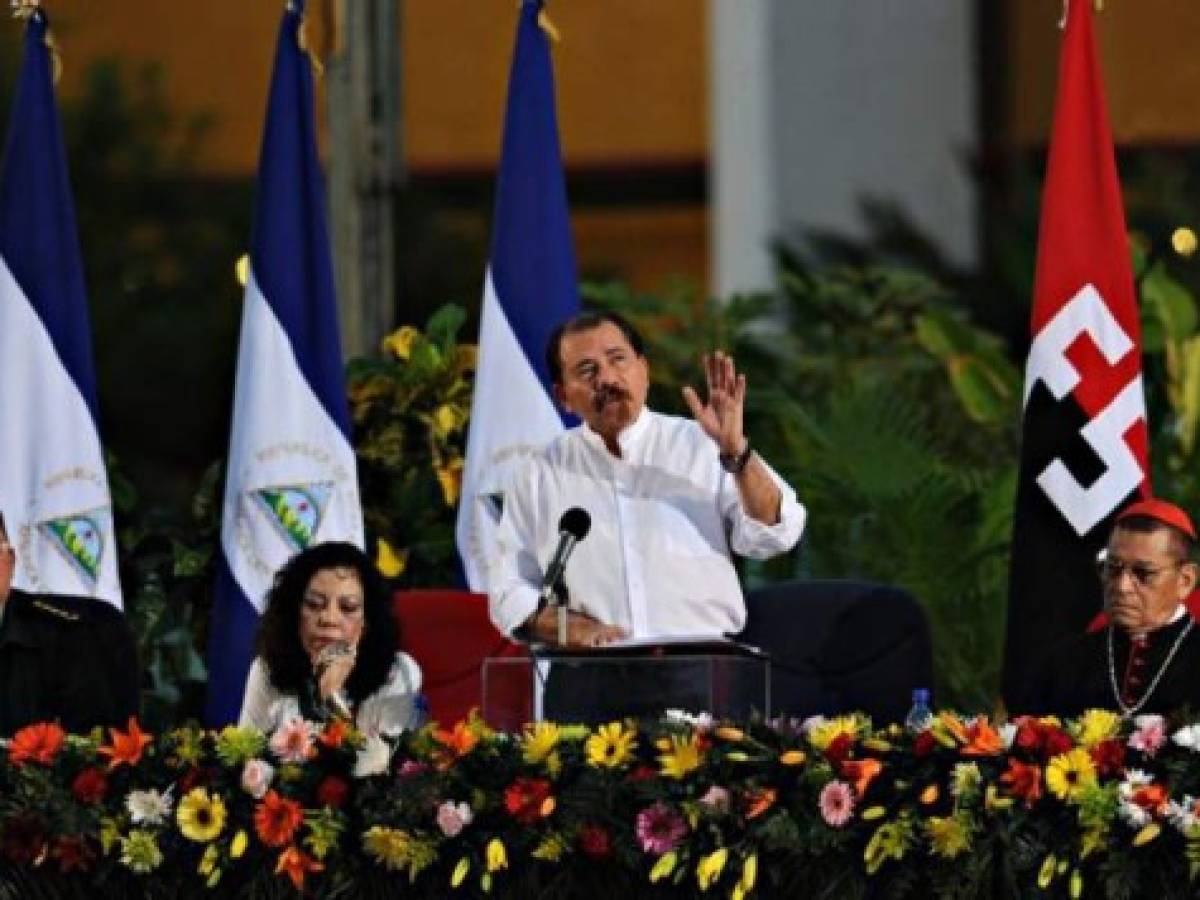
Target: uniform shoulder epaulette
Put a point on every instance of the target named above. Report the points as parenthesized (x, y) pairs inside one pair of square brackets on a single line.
[(58, 610)]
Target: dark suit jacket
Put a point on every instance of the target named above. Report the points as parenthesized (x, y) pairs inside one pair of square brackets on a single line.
[(69, 659)]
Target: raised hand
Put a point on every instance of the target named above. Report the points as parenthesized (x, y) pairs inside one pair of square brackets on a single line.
[(721, 414)]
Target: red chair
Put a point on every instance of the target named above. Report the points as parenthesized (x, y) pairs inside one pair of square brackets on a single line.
[(449, 634)]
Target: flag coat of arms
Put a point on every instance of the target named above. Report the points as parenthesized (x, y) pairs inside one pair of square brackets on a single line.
[(530, 286), (1084, 452), (53, 485), (291, 479)]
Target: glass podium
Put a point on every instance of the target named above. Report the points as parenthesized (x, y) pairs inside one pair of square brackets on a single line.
[(643, 679)]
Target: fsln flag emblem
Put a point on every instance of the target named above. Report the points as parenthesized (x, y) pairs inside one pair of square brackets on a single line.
[(295, 511), (1084, 440), (80, 539)]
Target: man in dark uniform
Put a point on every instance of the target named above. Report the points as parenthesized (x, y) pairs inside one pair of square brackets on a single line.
[(1142, 653), (65, 659)]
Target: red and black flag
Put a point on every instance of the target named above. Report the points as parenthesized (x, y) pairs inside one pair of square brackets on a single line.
[(1084, 450)]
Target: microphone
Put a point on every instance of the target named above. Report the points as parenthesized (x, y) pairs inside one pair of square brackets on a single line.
[(572, 528)]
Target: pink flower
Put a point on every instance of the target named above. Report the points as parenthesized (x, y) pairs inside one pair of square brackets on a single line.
[(411, 767), (837, 803), (293, 740), (256, 777), (716, 799), (453, 817), (659, 828), (1150, 734)]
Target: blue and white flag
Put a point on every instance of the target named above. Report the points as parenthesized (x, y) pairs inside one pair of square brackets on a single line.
[(291, 479), (53, 485), (530, 286)]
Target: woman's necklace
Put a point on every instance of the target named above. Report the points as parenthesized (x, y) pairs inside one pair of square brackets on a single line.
[(1130, 711)]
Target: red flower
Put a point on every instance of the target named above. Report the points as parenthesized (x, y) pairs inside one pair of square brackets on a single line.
[(193, 777), (335, 733), (595, 841), (333, 791), (23, 840), (1109, 757), (641, 773), (1056, 741), (127, 746), (839, 748), (296, 864), (1023, 781), (38, 743), (924, 743), (73, 854), (528, 799), (757, 801), (90, 785), (277, 818), (860, 773)]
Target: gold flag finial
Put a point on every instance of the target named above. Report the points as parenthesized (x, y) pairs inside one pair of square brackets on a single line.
[(24, 9), (305, 44)]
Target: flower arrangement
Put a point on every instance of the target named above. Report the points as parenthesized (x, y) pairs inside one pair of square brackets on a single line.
[(680, 807)]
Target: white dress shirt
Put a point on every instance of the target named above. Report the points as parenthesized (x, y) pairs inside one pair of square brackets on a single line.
[(386, 712), (665, 518)]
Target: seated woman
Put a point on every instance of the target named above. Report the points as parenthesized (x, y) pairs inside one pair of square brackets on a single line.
[(327, 647)]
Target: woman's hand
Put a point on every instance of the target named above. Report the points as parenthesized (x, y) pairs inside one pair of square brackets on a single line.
[(332, 665)]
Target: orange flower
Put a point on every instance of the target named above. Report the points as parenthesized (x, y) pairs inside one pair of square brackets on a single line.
[(38, 743), (335, 733), (861, 772), (296, 865), (758, 801), (127, 747), (276, 819), (1023, 781), (1152, 798), (460, 740), (982, 739)]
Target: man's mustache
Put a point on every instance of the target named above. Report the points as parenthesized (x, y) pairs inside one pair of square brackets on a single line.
[(607, 393)]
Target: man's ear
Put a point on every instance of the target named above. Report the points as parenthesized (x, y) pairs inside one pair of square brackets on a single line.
[(1189, 574)]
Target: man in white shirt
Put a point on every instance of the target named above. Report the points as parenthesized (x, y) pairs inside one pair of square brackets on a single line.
[(670, 500)]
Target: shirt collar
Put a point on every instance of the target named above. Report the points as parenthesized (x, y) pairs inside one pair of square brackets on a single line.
[(630, 437)]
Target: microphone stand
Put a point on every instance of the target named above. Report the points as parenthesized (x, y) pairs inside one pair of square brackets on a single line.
[(560, 602)]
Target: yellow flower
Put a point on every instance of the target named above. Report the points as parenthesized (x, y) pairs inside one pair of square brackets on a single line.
[(446, 420), (1070, 774), (948, 836), (449, 476), (792, 757), (1046, 872), (497, 856), (551, 849), (710, 867), (460, 872), (238, 846), (731, 734), (1147, 834), (827, 732), (682, 757), (538, 742), (390, 846), (890, 841), (400, 342), (208, 862), (466, 357), (201, 816), (1097, 725), (611, 746), (749, 873), (664, 867), (389, 562)]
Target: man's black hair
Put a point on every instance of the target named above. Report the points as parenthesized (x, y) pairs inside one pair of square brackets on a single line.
[(586, 320)]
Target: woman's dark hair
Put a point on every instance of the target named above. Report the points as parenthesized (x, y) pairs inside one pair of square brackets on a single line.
[(586, 321), (288, 666)]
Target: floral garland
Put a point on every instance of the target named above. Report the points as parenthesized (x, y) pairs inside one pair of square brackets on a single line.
[(682, 807)]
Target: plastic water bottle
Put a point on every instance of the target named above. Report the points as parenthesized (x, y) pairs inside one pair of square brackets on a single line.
[(920, 716)]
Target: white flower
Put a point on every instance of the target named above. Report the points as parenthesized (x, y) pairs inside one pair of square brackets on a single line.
[(1008, 732), (966, 780), (256, 777), (373, 758), (454, 817), (1133, 814), (1188, 738), (811, 723), (149, 807)]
